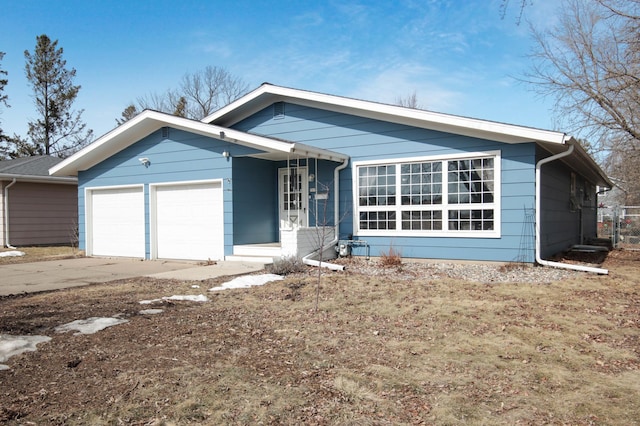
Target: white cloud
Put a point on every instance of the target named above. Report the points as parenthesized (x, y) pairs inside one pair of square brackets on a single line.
[(403, 80)]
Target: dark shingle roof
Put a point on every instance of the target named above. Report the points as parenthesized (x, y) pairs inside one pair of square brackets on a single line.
[(37, 165)]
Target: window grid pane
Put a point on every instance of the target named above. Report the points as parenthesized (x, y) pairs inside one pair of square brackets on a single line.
[(378, 220), (471, 181), (377, 186), (471, 220), (423, 220), (421, 183)]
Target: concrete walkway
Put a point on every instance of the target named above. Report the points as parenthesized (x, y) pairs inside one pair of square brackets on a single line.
[(58, 274)]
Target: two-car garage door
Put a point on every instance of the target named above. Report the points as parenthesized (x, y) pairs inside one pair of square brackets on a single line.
[(186, 221)]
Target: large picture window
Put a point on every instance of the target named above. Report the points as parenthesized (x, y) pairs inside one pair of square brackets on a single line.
[(430, 196)]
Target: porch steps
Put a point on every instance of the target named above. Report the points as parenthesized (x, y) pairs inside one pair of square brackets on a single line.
[(254, 259), (262, 253)]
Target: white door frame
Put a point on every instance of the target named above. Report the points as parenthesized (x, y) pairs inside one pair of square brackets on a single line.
[(298, 216)]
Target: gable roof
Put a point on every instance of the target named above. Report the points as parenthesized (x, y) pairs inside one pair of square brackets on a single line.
[(32, 169), (150, 121), (552, 141)]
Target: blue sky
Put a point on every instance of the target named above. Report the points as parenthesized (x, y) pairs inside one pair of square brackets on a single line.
[(459, 56)]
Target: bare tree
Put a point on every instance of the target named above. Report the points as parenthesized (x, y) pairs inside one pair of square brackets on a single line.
[(590, 63), (198, 95), (411, 101), (521, 4), (209, 90)]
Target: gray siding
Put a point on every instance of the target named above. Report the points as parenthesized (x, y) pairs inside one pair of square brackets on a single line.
[(2, 224), (41, 214), (565, 223), (255, 201)]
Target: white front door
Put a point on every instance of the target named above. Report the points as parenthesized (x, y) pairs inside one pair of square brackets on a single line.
[(293, 197)]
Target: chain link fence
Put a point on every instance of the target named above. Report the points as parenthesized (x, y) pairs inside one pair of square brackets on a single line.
[(621, 224)]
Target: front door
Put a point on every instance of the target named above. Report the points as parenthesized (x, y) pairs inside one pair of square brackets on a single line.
[(293, 195)]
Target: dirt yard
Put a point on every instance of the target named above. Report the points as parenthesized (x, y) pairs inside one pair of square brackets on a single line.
[(403, 347)]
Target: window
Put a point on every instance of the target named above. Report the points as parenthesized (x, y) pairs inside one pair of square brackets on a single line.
[(429, 196)]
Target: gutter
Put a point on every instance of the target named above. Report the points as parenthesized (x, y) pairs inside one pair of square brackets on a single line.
[(6, 214), (336, 209), (539, 259)]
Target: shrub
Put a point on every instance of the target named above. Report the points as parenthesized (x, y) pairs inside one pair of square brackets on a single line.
[(391, 258), (286, 265)]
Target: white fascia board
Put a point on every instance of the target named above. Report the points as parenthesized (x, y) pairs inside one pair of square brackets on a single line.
[(483, 129), (148, 122), (101, 148)]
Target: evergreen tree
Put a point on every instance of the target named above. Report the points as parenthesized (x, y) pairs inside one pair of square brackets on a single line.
[(3, 97), (128, 113), (59, 129)]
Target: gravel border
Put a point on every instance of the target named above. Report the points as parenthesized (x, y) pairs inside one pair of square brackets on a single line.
[(478, 272)]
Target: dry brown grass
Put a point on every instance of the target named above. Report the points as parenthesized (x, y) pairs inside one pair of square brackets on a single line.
[(379, 351), (38, 254)]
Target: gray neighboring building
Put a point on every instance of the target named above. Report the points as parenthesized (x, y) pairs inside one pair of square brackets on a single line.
[(36, 208)]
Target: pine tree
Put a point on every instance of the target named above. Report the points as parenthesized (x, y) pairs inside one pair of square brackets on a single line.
[(3, 97), (59, 130)]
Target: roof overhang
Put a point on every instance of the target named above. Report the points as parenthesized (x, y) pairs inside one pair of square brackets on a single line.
[(552, 141), (150, 121), (66, 180), (267, 94), (580, 161)]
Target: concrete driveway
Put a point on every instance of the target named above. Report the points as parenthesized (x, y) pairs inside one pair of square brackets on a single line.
[(58, 274)]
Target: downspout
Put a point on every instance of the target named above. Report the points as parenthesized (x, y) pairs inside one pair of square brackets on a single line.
[(6, 214), (538, 215), (336, 213)]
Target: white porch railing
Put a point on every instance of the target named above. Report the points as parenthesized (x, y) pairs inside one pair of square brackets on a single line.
[(300, 242)]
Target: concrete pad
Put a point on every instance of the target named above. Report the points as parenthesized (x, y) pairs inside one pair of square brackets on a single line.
[(220, 269), (59, 274)]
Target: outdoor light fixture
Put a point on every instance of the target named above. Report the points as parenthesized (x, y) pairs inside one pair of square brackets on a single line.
[(226, 154), (144, 161)]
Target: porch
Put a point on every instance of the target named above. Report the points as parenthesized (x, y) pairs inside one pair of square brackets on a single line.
[(295, 241)]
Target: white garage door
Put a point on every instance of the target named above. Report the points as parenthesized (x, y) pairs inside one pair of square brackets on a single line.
[(189, 221), (116, 225)]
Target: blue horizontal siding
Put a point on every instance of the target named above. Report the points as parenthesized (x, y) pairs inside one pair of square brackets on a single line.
[(365, 139), (182, 156), (255, 201)]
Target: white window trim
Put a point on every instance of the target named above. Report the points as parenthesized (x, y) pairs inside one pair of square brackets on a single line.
[(444, 207)]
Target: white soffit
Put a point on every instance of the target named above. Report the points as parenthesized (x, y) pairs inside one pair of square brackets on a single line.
[(267, 94), (149, 121)]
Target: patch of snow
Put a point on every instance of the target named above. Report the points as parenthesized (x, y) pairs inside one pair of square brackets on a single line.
[(12, 253), (188, 298), (14, 345), (247, 281), (151, 311), (195, 286), (89, 325)]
